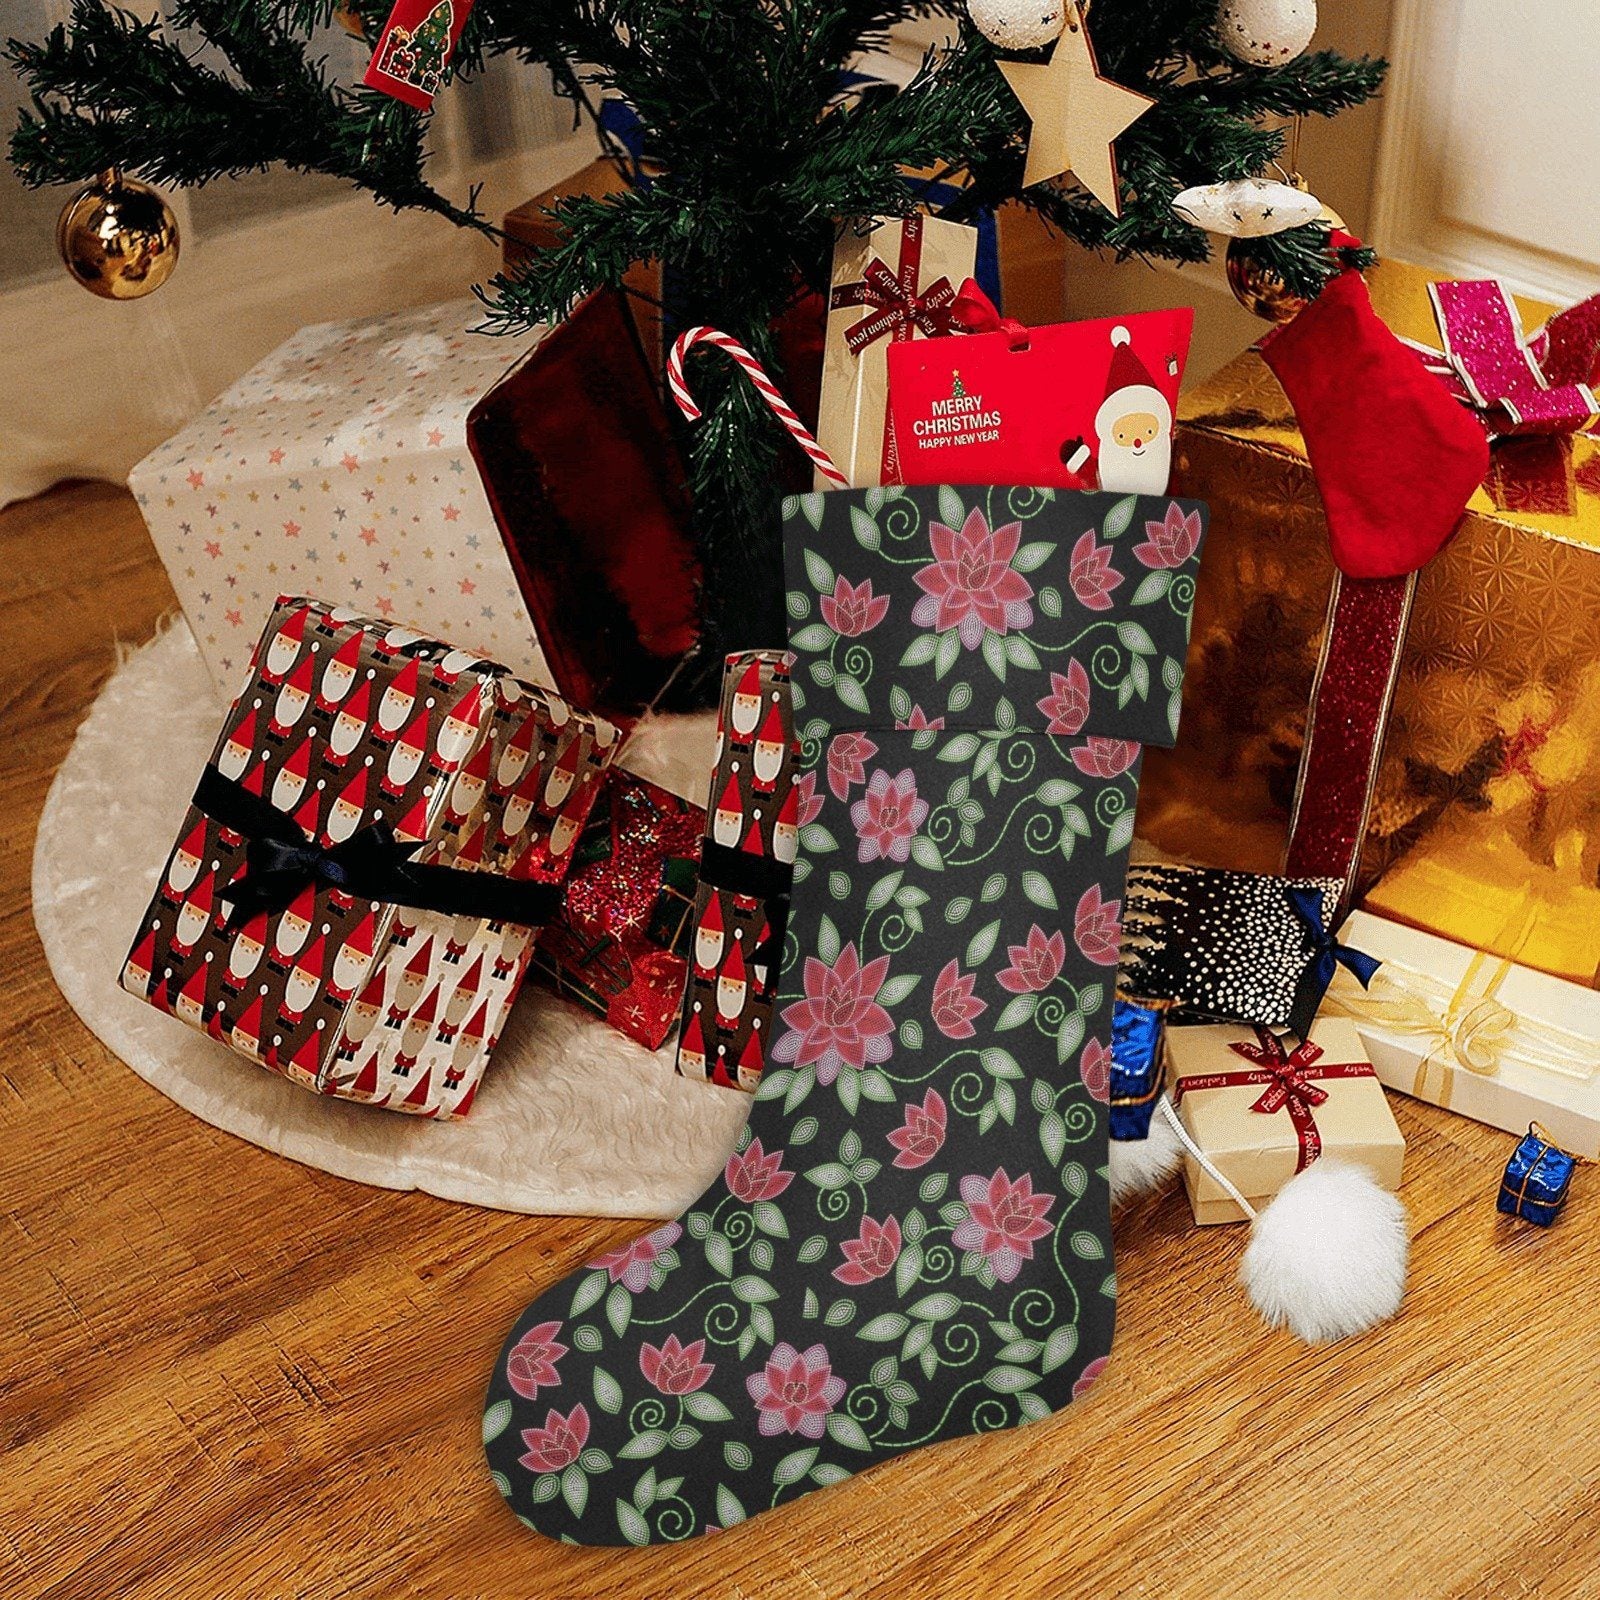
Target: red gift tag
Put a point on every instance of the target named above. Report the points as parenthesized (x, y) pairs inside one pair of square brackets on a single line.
[(413, 52), (1076, 405)]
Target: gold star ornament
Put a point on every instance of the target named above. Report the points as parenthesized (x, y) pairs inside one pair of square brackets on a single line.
[(1076, 114)]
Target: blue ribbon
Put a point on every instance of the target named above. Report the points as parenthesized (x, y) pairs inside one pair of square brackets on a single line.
[(1327, 953)]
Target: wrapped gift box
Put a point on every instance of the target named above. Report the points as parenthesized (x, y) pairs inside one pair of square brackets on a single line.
[(893, 279), (1494, 1041), (495, 492), (619, 946), (345, 729), (339, 465), (1322, 1101), (1486, 823), (753, 824)]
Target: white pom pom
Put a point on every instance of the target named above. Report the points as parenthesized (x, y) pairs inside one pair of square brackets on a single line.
[(1141, 1165), (1120, 336), (1018, 24), (1328, 1257)]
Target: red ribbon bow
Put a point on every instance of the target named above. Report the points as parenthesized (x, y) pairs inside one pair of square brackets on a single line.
[(1287, 1077), (899, 309), (1516, 384), (974, 312)]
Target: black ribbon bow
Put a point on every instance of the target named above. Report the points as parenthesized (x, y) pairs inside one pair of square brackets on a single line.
[(756, 877), (372, 864)]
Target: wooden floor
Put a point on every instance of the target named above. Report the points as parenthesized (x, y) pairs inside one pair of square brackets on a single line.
[(224, 1375)]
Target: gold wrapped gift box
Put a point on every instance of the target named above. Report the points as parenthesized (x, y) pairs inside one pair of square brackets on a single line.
[(1485, 827)]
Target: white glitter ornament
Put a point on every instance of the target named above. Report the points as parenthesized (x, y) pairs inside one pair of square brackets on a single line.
[(1246, 208), (1018, 24), (1266, 33)]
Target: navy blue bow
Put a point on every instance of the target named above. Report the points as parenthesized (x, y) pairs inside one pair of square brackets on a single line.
[(1327, 953)]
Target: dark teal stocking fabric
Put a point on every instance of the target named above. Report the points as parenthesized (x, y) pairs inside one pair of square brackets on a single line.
[(912, 1241)]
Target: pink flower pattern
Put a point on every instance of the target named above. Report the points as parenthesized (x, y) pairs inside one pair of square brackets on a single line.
[(1092, 575), (919, 719), (1086, 1379), (1003, 1220), (675, 1368), (839, 1023), (1097, 926), (921, 1136), (808, 801), (872, 1253), (1170, 542), (531, 1365), (887, 817), (1067, 705), (753, 1174), (954, 1003), (1034, 965), (1094, 1067), (558, 1443), (632, 1264), (848, 755), (1104, 758), (795, 1392), (971, 585), (852, 610)]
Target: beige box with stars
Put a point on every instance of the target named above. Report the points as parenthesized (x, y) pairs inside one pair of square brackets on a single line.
[(339, 467)]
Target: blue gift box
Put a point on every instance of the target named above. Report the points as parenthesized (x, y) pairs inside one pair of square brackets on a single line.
[(1536, 1179), (1136, 1033)]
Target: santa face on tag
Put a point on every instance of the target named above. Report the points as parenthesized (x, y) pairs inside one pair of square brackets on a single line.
[(1133, 425), (1076, 405)]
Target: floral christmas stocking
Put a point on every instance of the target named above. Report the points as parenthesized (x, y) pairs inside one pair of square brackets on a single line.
[(912, 1240)]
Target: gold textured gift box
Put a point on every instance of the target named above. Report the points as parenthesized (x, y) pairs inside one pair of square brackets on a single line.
[(1259, 1151), (1485, 826)]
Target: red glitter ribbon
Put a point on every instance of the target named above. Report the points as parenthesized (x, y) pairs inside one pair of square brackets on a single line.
[(1290, 1084), (1350, 699), (900, 310), (1517, 385)]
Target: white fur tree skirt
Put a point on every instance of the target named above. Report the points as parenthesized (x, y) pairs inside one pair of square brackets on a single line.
[(572, 1117)]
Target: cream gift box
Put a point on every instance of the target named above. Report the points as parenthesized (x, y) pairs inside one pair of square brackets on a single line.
[(1319, 1100), (339, 467), (1477, 1034), (893, 278)]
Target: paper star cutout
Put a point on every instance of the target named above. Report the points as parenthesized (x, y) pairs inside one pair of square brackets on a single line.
[(1076, 114)]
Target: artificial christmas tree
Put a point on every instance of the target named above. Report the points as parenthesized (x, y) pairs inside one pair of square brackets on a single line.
[(758, 141)]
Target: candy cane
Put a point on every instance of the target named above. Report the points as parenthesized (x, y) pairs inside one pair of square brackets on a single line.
[(764, 386)]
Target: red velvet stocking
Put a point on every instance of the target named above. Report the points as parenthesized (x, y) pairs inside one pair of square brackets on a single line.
[(1396, 458)]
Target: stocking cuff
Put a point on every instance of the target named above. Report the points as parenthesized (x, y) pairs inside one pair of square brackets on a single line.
[(1042, 609)]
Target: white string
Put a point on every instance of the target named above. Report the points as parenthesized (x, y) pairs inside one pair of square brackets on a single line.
[(1165, 1106)]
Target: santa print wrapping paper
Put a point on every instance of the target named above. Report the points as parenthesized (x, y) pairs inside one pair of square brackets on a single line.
[(894, 281), (339, 465), (346, 723), (1263, 1107), (755, 814), (1076, 405), (619, 946)]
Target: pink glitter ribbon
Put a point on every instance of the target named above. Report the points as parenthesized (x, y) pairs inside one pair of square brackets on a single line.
[(1516, 384)]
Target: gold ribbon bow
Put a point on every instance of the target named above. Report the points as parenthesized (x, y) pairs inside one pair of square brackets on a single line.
[(1471, 1031)]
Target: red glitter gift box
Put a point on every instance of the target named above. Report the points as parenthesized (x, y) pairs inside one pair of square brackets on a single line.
[(619, 946)]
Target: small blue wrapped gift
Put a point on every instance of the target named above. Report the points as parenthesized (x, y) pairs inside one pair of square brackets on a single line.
[(1136, 1034), (1536, 1179)]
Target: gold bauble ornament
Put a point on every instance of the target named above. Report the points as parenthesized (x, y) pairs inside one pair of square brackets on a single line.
[(118, 237), (1259, 289), (349, 19)]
